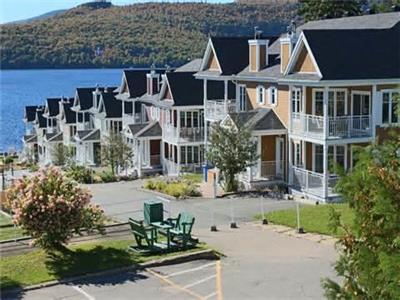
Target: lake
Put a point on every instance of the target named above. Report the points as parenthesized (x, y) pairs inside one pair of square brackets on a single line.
[(19, 88)]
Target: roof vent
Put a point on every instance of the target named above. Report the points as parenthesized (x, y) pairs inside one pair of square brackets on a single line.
[(257, 33)]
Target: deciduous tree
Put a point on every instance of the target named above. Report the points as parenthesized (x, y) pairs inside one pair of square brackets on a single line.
[(231, 150), (312, 10)]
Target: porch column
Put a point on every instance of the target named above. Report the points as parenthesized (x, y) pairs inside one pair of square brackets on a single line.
[(290, 108), (139, 158), (376, 109), (290, 147), (303, 100), (179, 159), (325, 172), (303, 154), (226, 96), (259, 162), (326, 120)]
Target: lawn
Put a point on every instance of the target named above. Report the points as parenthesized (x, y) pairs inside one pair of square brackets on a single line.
[(37, 266), (313, 218), (7, 230)]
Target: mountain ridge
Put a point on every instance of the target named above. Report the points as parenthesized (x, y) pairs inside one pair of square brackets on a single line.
[(133, 35)]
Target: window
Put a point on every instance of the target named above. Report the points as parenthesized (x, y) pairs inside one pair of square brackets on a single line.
[(319, 158), (296, 100), (319, 103), (189, 155), (390, 107), (260, 94), (182, 118), (273, 95), (195, 119), (297, 154), (183, 155), (242, 98)]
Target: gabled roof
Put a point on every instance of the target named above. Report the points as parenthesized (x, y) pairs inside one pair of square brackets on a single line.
[(135, 128), (259, 119), (376, 21), (52, 106), (192, 66), (69, 115), (30, 113), (85, 96), (113, 107), (185, 89), (54, 137), (88, 135), (136, 81), (232, 53), (40, 120), (30, 138), (356, 54), (151, 130)]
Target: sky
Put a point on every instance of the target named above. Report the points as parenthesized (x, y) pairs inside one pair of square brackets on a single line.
[(14, 10)]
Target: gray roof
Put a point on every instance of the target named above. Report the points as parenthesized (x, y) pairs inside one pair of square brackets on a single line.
[(377, 21), (30, 138), (259, 119), (54, 137), (93, 136), (192, 66), (135, 128), (152, 130), (82, 133)]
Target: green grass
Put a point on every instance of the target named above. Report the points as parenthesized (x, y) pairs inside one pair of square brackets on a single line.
[(37, 266), (194, 177), (5, 220), (312, 218)]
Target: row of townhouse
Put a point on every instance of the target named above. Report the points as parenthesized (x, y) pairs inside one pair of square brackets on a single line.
[(309, 96)]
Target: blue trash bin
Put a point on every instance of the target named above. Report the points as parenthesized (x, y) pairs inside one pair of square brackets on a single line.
[(205, 172)]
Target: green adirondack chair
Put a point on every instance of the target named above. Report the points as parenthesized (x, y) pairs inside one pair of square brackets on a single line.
[(182, 228), (145, 237)]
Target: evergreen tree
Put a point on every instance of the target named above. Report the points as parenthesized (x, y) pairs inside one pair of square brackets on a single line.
[(312, 10), (369, 261), (231, 150)]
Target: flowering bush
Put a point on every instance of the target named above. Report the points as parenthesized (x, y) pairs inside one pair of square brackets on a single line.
[(51, 208)]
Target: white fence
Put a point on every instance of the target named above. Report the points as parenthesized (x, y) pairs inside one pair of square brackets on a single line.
[(338, 127)]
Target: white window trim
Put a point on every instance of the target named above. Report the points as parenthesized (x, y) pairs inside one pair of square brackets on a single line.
[(334, 90), (262, 89), (365, 93), (390, 123), (270, 89), (240, 86), (300, 108)]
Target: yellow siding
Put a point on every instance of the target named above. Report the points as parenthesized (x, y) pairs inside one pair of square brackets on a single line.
[(285, 55), (304, 63), (253, 58), (212, 64)]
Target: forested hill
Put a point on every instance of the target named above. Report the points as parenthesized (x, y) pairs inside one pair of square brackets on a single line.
[(134, 35)]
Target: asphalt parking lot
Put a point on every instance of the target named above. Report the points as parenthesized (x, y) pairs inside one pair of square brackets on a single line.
[(192, 280)]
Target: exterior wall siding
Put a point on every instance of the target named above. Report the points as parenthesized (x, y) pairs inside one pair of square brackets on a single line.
[(213, 63), (304, 63), (285, 55)]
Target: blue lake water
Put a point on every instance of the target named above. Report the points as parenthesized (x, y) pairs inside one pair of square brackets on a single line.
[(19, 88)]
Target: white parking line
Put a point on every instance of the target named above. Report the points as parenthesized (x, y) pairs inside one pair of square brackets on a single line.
[(200, 281), (87, 296), (210, 295), (190, 270)]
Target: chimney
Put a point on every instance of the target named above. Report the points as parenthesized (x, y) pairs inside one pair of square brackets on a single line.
[(153, 81), (258, 52), (287, 44)]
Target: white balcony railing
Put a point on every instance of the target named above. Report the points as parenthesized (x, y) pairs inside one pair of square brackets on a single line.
[(172, 168), (131, 118), (272, 169), (313, 182), (338, 127), (216, 110), (183, 135)]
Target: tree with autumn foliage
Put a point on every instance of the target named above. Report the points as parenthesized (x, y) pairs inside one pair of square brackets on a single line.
[(51, 208), (369, 261)]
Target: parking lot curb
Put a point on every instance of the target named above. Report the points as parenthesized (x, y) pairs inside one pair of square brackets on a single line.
[(180, 258)]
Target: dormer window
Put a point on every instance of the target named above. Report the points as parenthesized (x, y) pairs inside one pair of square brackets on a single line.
[(260, 94), (153, 83)]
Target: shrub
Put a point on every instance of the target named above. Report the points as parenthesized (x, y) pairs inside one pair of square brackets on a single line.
[(150, 185), (9, 160), (97, 179), (51, 208), (160, 185), (107, 176), (80, 174), (33, 168)]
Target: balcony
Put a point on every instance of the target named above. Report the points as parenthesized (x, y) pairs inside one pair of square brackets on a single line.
[(131, 118), (265, 170), (337, 128), (173, 168), (183, 135), (216, 110), (312, 182)]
